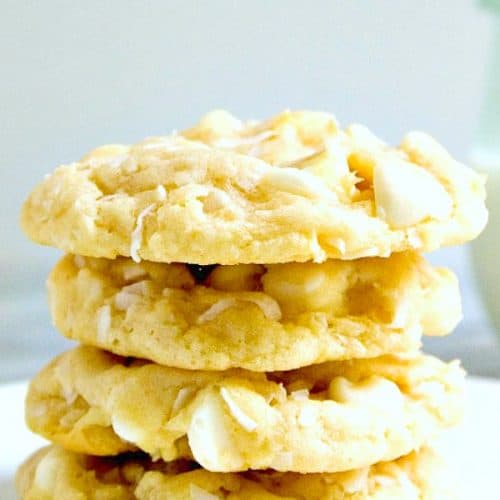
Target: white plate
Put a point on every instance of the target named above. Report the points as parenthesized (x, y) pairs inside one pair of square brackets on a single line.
[(473, 450)]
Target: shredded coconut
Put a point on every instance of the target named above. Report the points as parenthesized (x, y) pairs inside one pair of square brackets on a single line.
[(319, 255), (46, 473), (197, 493), (136, 236), (182, 396), (226, 142), (269, 307), (241, 417), (214, 310), (124, 300), (103, 322), (129, 294)]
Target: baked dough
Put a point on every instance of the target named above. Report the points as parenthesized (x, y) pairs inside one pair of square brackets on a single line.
[(293, 188), (262, 318), (55, 474), (325, 418)]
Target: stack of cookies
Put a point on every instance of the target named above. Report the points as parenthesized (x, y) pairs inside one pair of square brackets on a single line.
[(250, 299)]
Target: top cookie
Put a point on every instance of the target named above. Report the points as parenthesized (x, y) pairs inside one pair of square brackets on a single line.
[(292, 188)]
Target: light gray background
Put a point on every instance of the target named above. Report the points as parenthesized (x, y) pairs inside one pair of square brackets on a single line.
[(79, 74)]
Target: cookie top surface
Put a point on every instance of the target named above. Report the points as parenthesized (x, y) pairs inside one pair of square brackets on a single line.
[(259, 317), (326, 418), (55, 474), (290, 189)]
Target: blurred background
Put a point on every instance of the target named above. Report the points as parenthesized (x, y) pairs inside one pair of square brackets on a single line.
[(80, 74)]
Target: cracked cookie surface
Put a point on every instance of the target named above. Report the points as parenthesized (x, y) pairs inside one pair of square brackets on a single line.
[(293, 188)]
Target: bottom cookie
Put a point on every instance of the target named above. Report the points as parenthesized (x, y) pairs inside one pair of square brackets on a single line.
[(54, 473)]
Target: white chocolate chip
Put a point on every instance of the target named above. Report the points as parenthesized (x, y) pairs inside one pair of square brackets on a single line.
[(209, 440), (406, 194), (127, 432), (375, 390)]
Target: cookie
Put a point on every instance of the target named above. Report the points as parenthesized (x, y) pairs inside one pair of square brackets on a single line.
[(291, 189), (262, 318), (331, 417), (55, 474)]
